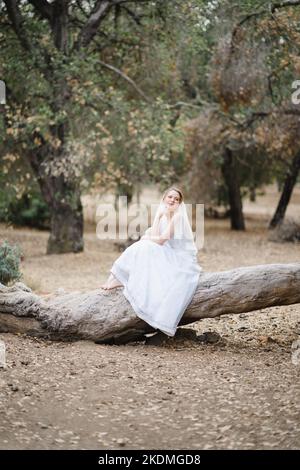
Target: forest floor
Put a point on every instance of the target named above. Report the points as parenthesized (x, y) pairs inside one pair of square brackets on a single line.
[(242, 392)]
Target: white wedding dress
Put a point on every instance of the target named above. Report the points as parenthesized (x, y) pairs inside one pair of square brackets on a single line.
[(159, 280)]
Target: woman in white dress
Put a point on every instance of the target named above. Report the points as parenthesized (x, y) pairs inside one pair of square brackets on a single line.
[(160, 272)]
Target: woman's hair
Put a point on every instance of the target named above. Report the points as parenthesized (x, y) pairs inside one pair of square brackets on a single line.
[(173, 188)]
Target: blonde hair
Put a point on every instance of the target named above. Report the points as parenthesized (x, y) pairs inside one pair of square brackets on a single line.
[(174, 188)]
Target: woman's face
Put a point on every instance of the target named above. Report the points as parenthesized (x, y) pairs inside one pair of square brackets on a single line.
[(172, 200)]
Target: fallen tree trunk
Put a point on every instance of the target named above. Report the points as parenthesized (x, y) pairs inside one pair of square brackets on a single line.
[(107, 316)]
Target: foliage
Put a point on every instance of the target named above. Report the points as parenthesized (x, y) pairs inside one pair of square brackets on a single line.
[(10, 256), (254, 60), (162, 88), (29, 210), (113, 136)]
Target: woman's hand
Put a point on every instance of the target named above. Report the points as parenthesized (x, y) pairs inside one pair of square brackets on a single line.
[(147, 234), (163, 211)]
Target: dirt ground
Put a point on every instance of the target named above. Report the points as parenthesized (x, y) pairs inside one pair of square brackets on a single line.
[(242, 392)]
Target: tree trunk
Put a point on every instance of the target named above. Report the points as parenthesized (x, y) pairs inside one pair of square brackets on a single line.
[(64, 202), (63, 199), (66, 226), (252, 194), (230, 175), (289, 184), (107, 316)]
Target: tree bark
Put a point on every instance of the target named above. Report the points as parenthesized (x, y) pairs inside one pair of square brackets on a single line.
[(231, 179), (66, 235), (62, 196), (107, 316), (288, 187)]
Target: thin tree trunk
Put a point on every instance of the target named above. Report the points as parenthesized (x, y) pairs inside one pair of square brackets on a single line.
[(107, 316), (252, 194), (230, 174), (288, 187)]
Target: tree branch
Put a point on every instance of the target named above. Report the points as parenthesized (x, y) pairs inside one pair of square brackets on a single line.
[(289, 3), (133, 15), (264, 114), (16, 19), (44, 8), (107, 316), (272, 9), (99, 12), (78, 3), (125, 77)]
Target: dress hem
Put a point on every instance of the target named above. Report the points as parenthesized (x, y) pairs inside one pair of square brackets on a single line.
[(117, 273)]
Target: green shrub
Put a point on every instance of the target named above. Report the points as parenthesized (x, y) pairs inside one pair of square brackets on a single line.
[(10, 256), (30, 210)]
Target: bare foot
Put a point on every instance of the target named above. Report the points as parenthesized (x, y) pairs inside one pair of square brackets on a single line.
[(110, 286), (111, 283)]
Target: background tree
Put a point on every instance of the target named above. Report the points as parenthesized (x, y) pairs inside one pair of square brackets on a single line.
[(252, 66), (77, 57)]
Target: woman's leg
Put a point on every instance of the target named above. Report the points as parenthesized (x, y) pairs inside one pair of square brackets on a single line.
[(111, 283)]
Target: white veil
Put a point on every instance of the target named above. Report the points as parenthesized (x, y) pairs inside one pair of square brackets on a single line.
[(183, 235)]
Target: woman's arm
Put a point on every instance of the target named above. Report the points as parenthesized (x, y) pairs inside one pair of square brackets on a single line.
[(155, 227), (147, 234), (154, 230), (168, 233)]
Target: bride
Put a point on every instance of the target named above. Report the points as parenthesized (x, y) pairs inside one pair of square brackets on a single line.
[(160, 272)]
